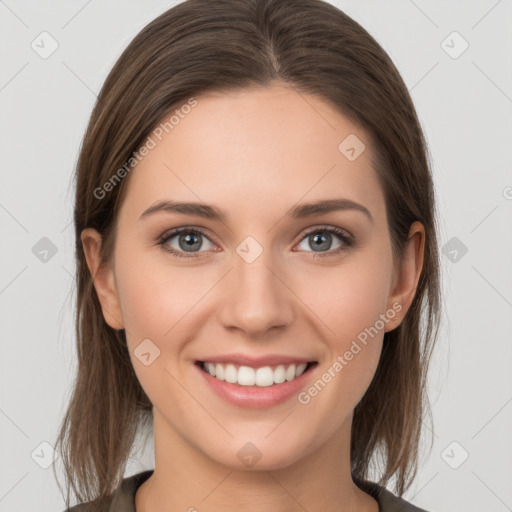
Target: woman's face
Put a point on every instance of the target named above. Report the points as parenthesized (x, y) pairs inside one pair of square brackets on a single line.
[(262, 283)]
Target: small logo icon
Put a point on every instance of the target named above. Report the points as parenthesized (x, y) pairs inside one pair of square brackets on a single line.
[(146, 352), (454, 249), (351, 147), (44, 45), (454, 455), (249, 455), (454, 45), (249, 249), (44, 250), (44, 455)]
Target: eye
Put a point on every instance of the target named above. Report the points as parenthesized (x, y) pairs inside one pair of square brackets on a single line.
[(321, 239), (188, 240)]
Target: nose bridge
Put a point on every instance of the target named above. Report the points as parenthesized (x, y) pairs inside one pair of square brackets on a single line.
[(257, 299)]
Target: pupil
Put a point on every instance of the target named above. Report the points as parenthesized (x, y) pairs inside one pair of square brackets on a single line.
[(315, 239), (189, 242)]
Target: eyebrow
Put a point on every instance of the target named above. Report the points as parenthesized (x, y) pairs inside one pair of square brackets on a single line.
[(300, 211)]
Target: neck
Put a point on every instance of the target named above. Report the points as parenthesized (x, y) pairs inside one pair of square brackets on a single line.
[(186, 479)]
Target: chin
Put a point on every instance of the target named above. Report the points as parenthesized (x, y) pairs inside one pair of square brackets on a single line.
[(259, 454)]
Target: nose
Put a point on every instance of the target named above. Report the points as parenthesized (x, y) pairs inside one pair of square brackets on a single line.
[(256, 298)]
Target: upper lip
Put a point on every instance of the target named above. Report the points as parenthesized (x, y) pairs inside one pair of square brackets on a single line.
[(256, 362)]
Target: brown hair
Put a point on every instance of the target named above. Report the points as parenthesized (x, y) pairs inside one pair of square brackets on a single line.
[(198, 46)]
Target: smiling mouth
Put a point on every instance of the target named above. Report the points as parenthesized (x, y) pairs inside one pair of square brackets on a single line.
[(264, 376)]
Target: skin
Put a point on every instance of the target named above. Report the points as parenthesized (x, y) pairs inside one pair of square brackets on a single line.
[(255, 154)]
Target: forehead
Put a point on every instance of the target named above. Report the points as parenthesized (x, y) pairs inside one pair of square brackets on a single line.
[(256, 150)]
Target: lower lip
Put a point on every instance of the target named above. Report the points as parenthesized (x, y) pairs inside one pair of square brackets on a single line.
[(255, 396)]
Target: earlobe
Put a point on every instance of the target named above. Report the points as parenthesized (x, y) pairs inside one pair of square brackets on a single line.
[(408, 274), (103, 278)]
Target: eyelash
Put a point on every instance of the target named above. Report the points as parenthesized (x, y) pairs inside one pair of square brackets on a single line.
[(342, 234)]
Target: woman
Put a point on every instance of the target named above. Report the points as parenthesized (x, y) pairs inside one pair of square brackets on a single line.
[(256, 247)]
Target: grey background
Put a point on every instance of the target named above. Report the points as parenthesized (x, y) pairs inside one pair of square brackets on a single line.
[(464, 105)]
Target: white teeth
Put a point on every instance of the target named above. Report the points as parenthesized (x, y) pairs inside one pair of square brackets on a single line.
[(231, 374), (279, 374), (290, 372), (247, 376), (300, 369), (264, 376), (219, 371)]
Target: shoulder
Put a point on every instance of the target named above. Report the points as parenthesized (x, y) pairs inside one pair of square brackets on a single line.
[(89, 506), (122, 500), (388, 502), (92, 506)]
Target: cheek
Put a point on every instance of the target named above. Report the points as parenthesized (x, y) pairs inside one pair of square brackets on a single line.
[(351, 302), (165, 304), (350, 298), (154, 296)]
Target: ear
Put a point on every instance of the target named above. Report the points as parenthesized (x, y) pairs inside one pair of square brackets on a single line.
[(103, 278), (407, 274)]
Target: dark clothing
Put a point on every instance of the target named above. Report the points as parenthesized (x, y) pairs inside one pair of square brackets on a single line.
[(123, 500)]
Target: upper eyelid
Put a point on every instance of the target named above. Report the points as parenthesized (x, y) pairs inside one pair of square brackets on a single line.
[(327, 228), (171, 233)]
